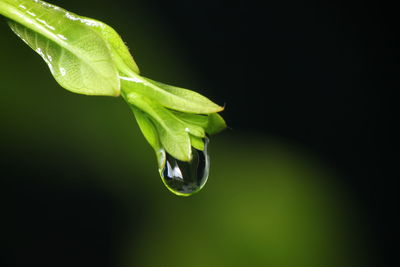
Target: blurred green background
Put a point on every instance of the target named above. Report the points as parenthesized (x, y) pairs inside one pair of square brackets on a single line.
[(81, 187)]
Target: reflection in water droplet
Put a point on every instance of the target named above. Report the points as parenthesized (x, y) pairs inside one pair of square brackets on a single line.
[(186, 178)]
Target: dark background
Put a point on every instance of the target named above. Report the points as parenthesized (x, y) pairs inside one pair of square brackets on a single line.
[(317, 76), (321, 73)]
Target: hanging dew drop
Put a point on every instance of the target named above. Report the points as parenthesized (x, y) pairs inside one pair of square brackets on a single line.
[(186, 178)]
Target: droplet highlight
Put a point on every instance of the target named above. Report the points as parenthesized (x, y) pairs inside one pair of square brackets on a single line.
[(186, 178)]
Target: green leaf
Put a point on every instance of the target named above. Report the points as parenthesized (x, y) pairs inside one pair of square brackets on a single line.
[(173, 133), (149, 131), (169, 96), (212, 123), (197, 142), (196, 103), (147, 127), (215, 124), (120, 52), (196, 119), (78, 57), (165, 117), (89, 57), (176, 143)]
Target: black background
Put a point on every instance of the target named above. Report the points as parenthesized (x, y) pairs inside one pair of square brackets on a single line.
[(319, 72), (322, 73)]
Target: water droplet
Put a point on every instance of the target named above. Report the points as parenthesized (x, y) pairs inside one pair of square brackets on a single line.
[(186, 178)]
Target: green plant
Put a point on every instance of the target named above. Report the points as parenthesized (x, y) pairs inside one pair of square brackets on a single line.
[(88, 57)]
